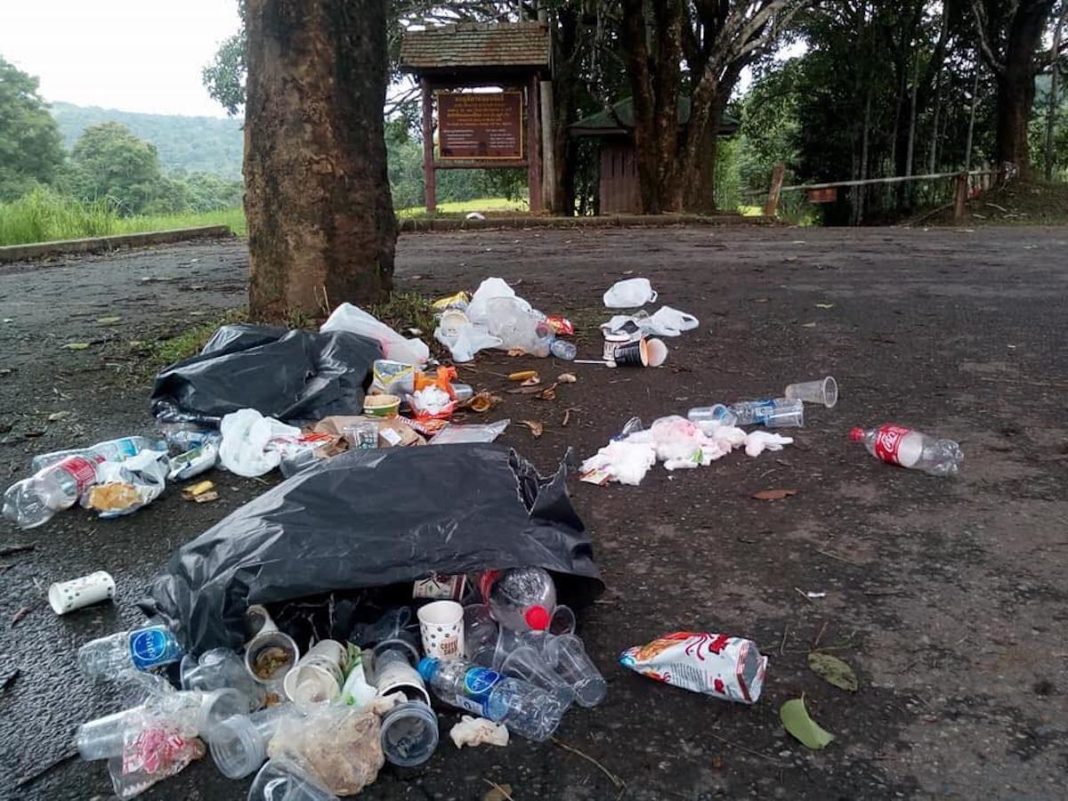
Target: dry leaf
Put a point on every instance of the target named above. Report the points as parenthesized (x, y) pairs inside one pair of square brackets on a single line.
[(513, 352), (523, 375), (77, 346), (498, 792), (833, 670), (535, 390), (206, 497), (774, 494), (19, 615), (566, 378), (533, 381), (548, 394), (536, 428), (483, 402), (567, 417)]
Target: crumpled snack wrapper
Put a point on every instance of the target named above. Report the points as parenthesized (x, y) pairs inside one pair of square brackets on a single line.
[(477, 731)]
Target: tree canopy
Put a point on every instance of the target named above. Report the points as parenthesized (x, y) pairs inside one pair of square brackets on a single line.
[(30, 150)]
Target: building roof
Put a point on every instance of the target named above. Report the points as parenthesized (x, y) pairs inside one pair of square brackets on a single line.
[(467, 45), (619, 120)]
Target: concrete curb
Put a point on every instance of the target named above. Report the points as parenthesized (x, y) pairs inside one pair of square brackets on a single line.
[(40, 250), (416, 224)]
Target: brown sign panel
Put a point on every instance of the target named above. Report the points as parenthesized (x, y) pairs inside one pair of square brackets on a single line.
[(828, 195), (474, 126)]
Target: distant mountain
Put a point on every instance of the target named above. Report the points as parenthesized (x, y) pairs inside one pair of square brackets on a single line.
[(194, 144)]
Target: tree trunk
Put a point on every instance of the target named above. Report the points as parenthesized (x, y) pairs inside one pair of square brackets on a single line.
[(1051, 110), (320, 217), (1016, 84)]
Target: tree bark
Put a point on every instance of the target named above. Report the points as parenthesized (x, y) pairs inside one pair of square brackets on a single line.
[(1051, 109), (320, 217)]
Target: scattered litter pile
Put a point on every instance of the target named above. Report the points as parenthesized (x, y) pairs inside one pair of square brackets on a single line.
[(306, 637)]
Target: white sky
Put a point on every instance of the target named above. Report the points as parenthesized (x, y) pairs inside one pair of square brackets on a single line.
[(133, 55)]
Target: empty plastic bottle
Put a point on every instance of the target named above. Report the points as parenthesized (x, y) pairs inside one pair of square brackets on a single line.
[(35, 500), (908, 448), (112, 450), (525, 709), (139, 649), (521, 598), (562, 349), (716, 413), (772, 413)]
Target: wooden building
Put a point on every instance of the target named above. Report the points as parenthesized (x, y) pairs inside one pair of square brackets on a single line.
[(618, 186)]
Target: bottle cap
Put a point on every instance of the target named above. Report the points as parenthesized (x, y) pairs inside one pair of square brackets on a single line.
[(856, 434), (537, 617), (427, 667)]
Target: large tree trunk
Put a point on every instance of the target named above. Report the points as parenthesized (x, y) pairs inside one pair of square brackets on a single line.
[(320, 218)]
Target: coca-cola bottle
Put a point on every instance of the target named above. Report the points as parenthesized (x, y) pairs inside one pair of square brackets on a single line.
[(908, 448)]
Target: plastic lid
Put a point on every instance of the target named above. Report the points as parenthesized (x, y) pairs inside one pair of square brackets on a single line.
[(856, 434), (427, 667), (537, 617)]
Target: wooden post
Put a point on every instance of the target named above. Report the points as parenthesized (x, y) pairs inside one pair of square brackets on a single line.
[(960, 197), (777, 175), (430, 193), (534, 144)]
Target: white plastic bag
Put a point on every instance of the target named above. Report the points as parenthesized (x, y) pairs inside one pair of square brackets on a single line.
[(347, 317), (629, 294), (666, 322), (245, 437), (124, 487), (478, 308), (469, 340)]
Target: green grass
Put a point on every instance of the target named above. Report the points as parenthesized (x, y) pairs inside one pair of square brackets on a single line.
[(191, 341), (235, 218), (482, 204)]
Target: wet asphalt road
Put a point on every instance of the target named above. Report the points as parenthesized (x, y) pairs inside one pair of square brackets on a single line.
[(947, 597)]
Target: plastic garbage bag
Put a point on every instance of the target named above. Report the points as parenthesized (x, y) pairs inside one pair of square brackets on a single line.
[(124, 487), (629, 294), (246, 435), (355, 320), (369, 519), (491, 288), (294, 376), (469, 340)]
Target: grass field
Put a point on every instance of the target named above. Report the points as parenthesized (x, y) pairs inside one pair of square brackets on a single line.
[(44, 216)]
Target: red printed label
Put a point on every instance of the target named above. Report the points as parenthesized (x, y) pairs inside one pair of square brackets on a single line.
[(82, 470), (888, 442)]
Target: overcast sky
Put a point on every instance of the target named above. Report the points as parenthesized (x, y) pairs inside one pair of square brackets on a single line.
[(134, 55)]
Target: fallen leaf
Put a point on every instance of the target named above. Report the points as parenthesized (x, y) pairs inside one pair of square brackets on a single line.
[(774, 494), (514, 352), (824, 305), (483, 402), (833, 671), (548, 394), (108, 320), (57, 416), (566, 378), (498, 792), (567, 417), (77, 346), (808, 325), (206, 497), (796, 721), (19, 615), (533, 381), (536, 428), (523, 375), (535, 390)]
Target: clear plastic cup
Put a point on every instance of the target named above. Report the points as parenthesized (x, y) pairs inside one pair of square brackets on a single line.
[(528, 664), (218, 705), (562, 621), (281, 780), (315, 680), (824, 391), (409, 734), (569, 659), (507, 641), (239, 744), (480, 633), (102, 738), (219, 668)]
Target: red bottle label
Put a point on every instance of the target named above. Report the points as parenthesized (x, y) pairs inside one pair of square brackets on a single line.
[(888, 442), (82, 470)]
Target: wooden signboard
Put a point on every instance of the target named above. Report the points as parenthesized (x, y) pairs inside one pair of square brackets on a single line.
[(828, 195), (480, 126)]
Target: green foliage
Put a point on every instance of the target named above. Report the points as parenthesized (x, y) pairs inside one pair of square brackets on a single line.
[(185, 144), (44, 215), (110, 162), (30, 151), (224, 77)]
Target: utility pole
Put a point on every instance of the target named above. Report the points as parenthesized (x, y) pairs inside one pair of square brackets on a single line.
[(548, 139)]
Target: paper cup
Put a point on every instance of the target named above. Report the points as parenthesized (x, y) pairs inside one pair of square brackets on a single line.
[(316, 681), (441, 625), (66, 596), (258, 620), (658, 352), (631, 354)]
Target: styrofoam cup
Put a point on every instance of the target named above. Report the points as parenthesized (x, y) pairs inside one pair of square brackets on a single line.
[(66, 596), (441, 626)]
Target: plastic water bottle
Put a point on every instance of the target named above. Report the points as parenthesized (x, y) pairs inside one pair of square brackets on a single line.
[(716, 413), (520, 599), (525, 709), (562, 349), (35, 500), (113, 450), (772, 413), (139, 649), (908, 448)]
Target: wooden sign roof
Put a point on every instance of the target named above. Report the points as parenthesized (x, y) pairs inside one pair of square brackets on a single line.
[(474, 45)]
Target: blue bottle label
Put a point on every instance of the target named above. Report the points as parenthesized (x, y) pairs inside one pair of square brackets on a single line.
[(153, 647), (478, 682), (127, 447), (763, 410)]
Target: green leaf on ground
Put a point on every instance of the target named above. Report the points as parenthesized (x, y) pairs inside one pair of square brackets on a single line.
[(77, 346), (833, 671), (796, 721)]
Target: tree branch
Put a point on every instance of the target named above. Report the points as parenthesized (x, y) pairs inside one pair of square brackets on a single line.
[(985, 47)]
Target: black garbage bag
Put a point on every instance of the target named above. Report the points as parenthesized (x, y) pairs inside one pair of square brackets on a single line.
[(295, 376), (374, 518)]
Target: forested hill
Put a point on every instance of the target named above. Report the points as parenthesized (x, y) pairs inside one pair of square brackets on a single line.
[(194, 144)]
